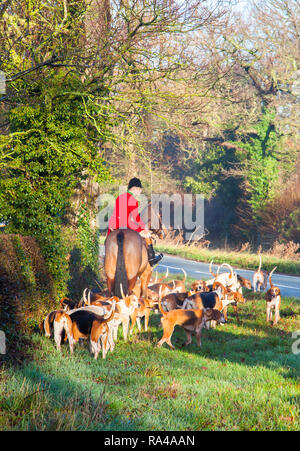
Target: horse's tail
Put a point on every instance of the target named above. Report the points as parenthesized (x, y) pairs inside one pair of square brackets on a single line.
[(121, 275)]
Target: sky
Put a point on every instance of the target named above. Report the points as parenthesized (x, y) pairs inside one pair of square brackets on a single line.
[(242, 6)]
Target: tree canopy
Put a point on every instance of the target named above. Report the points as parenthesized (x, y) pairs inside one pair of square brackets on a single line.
[(189, 95)]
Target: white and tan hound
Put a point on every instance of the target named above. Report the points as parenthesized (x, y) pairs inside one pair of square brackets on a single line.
[(273, 299), (260, 278)]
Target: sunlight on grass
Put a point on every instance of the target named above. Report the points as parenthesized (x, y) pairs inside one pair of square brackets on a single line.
[(244, 377)]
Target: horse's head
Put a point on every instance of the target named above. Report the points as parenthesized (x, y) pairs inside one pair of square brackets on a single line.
[(160, 233), (152, 218)]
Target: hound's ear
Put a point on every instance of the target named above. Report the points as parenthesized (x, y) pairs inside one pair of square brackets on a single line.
[(242, 298), (208, 313), (216, 315)]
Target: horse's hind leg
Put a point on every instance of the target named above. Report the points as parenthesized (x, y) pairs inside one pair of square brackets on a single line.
[(131, 284), (145, 280), (110, 285)]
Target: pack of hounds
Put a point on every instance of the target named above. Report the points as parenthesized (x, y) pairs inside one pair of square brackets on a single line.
[(97, 316)]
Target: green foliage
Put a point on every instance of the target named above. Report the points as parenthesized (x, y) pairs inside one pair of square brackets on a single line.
[(30, 288), (260, 153), (244, 171), (205, 169), (88, 240), (83, 255), (52, 147), (207, 172), (26, 289), (25, 263), (207, 177), (256, 151), (290, 226)]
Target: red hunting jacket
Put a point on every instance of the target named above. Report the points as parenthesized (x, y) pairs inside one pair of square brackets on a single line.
[(125, 214)]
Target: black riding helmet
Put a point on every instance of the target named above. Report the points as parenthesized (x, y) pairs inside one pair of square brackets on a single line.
[(134, 182)]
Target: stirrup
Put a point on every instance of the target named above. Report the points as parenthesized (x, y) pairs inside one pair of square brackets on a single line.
[(153, 261)]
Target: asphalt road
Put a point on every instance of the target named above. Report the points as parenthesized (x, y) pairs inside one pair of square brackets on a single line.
[(289, 285)]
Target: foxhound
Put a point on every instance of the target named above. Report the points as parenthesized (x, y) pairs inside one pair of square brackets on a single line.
[(273, 298), (260, 278)]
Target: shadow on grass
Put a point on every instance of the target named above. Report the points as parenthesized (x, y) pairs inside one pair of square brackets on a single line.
[(123, 384), (91, 401), (137, 378), (271, 351)]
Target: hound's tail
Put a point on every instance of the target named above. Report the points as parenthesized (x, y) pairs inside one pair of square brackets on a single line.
[(163, 277), (62, 301), (87, 300), (48, 323), (41, 327), (259, 268), (270, 276), (184, 274), (210, 269), (111, 312), (230, 268), (120, 276)]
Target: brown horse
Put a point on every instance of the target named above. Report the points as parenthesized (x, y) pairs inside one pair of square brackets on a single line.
[(126, 256)]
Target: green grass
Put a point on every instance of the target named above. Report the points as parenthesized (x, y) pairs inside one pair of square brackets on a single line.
[(244, 377), (240, 259)]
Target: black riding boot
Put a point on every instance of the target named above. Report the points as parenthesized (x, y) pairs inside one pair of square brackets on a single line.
[(153, 259)]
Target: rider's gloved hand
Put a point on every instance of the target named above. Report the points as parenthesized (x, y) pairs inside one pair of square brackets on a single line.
[(145, 233)]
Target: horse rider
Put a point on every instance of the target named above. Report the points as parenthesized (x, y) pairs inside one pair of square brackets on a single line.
[(126, 215)]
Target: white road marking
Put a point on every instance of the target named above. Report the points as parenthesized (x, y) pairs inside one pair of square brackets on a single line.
[(168, 266), (286, 286), (202, 272)]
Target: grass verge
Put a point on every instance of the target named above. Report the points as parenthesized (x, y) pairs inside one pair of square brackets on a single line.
[(239, 259)]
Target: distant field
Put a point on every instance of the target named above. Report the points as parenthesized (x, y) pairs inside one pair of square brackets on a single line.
[(245, 377)]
